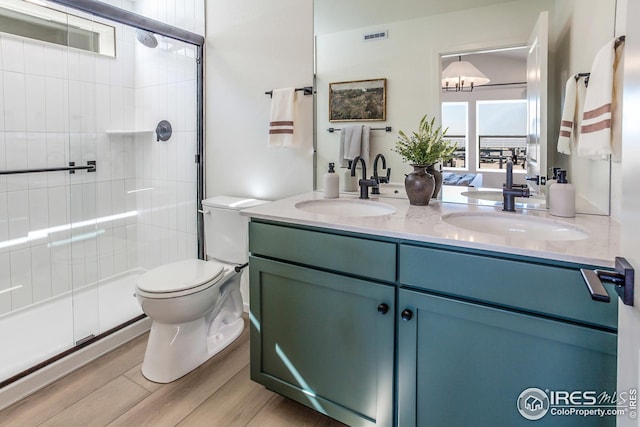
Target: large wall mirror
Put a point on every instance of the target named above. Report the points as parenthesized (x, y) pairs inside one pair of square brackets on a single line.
[(410, 42)]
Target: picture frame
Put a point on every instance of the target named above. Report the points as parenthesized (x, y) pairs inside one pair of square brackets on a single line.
[(358, 100)]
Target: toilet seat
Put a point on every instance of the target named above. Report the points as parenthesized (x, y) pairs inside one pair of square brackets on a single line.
[(179, 278)]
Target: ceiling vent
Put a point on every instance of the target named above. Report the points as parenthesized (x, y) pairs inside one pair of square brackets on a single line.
[(376, 35)]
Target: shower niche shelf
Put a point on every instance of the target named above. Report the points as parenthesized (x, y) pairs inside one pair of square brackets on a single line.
[(127, 131)]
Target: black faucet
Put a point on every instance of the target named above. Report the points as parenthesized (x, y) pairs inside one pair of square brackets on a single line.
[(363, 183), (510, 190), (380, 179)]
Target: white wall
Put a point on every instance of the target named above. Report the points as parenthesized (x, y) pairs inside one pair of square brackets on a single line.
[(616, 169), (253, 47), (629, 317)]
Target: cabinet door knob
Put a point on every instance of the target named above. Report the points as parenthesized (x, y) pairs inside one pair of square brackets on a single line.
[(383, 308), (406, 315)]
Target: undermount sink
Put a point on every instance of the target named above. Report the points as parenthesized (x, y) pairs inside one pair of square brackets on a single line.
[(345, 207), (515, 225), (496, 196)]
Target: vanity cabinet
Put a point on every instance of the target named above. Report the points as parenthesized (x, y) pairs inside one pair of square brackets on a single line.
[(322, 322), (465, 364), (476, 331), (389, 332)]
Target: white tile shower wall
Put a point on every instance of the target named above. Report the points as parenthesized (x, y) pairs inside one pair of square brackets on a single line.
[(166, 171), (186, 14), (56, 107)]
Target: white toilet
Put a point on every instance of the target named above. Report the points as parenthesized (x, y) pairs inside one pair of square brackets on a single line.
[(195, 305)]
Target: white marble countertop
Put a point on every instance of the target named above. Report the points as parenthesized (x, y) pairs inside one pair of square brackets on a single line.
[(425, 224)]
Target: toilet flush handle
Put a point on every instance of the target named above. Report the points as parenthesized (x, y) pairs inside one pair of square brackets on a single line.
[(238, 268), (203, 212)]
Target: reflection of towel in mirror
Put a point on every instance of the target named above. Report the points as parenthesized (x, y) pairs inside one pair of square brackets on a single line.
[(595, 132), (616, 104), (364, 147), (354, 142), (575, 91), (568, 116), (282, 117)]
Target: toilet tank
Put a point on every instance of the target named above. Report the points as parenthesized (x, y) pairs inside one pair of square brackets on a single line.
[(226, 233)]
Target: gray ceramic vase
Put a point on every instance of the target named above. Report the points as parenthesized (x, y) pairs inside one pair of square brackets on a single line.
[(419, 185)]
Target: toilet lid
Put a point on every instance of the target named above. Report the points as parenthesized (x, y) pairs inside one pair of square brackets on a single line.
[(180, 276)]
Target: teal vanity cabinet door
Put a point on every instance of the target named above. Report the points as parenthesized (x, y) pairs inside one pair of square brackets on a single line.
[(533, 285), (465, 364), (325, 340)]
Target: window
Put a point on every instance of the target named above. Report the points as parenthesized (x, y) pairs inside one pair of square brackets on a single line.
[(26, 19), (502, 133), (455, 118)]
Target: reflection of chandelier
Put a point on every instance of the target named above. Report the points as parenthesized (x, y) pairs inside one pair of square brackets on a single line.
[(461, 73)]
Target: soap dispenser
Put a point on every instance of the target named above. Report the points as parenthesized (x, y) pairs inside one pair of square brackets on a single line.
[(331, 183), (349, 183), (550, 182), (562, 197)]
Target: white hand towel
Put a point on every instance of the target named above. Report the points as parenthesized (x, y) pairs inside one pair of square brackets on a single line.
[(364, 146), (342, 156), (595, 132), (346, 139), (568, 116), (282, 117), (353, 144), (616, 119)]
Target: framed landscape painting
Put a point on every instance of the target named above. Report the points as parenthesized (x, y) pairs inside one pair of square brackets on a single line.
[(360, 100)]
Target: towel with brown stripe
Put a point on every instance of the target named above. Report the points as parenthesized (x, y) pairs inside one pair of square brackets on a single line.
[(568, 121), (595, 131), (281, 122)]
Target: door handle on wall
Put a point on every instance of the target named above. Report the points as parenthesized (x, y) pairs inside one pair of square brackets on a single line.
[(622, 278)]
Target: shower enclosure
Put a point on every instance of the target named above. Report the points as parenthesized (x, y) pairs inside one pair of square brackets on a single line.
[(90, 195)]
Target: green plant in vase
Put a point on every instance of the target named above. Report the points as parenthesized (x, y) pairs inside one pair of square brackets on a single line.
[(422, 150), (426, 146)]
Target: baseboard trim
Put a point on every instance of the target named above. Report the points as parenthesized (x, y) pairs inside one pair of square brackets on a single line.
[(41, 378)]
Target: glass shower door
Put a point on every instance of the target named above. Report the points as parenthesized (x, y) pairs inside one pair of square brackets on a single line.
[(101, 125), (72, 243), (80, 245), (138, 209), (44, 207)]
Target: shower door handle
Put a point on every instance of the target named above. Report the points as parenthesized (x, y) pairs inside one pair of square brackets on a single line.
[(72, 168)]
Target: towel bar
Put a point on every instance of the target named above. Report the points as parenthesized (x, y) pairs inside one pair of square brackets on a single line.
[(307, 90), (386, 129)]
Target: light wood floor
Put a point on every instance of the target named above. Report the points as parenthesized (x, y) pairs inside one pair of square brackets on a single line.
[(111, 391)]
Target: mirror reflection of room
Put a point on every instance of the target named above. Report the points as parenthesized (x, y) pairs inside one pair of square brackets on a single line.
[(487, 121), (418, 43)]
